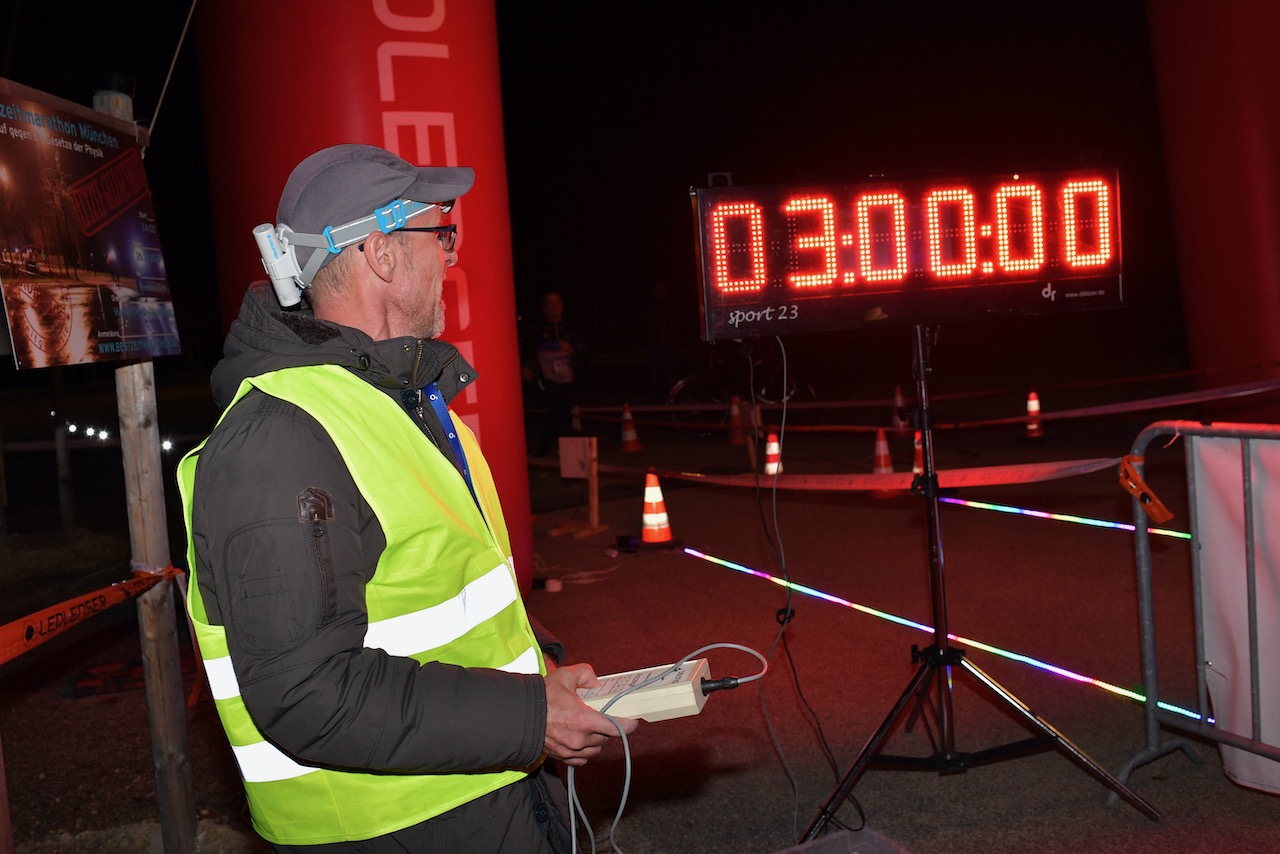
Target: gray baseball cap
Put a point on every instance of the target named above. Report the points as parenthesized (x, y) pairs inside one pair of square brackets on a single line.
[(343, 183)]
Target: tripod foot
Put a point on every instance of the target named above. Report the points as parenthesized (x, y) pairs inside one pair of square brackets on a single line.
[(1064, 745), (938, 664)]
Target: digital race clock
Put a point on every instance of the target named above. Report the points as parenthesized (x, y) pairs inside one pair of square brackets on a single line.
[(776, 260)]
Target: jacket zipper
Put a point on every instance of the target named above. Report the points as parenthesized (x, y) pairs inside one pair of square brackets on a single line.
[(412, 397)]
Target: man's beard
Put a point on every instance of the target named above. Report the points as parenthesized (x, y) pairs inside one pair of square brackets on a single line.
[(427, 321), (435, 320)]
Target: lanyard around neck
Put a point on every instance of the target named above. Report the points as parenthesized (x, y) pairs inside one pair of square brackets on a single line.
[(436, 399)]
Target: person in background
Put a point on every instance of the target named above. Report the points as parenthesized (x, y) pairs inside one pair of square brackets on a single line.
[(553, 353), (352, 588)]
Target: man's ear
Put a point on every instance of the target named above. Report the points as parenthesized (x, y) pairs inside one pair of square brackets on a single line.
[(381, 254)]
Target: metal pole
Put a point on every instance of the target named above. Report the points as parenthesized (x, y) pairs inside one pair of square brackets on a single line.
[(937, 572)]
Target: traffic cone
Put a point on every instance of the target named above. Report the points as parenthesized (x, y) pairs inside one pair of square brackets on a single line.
[(883, 465), (630, 441), (899, 408), (1034, 430), (657, 528), (917, 465), (772, 455), (737, 436)]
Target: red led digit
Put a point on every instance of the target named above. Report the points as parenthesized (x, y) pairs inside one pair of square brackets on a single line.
[(727, 255), (825, 240), (870, 238), (1086, 223), (960, 224), (1020, 221)]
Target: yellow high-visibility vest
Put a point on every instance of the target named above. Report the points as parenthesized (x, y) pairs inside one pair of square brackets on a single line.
[(444, 590)]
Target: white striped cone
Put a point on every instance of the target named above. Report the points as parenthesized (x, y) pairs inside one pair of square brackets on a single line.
[(737, 436), (899, 407), (772, 455), (883, 465), (657, 528), (630, 441), (1034, 430)]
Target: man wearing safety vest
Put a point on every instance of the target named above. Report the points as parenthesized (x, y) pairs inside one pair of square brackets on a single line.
[(352, 589)]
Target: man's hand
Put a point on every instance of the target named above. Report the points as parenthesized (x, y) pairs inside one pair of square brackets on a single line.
[(575, 731)]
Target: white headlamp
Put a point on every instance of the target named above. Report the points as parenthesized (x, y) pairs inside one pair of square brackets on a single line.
[(278, 245)]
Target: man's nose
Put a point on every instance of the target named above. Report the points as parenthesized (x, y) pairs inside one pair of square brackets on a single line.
[(451, 257)]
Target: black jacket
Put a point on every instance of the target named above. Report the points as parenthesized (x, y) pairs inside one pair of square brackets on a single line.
[(295, 621)]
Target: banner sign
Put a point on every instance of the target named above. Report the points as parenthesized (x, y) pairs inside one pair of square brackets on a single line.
[(81, 272)]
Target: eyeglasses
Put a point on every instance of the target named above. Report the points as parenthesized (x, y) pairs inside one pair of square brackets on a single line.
[(446, 234)]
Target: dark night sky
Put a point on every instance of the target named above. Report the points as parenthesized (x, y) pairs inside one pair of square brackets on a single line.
[(658, 96), (614, 110)]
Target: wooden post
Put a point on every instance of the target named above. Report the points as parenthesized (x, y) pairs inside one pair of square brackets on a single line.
[(6, 823), (66, 502), (579, 457), (593, 491), (4, 523), (157, 620)]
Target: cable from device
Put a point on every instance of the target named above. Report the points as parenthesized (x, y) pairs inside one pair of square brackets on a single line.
[(773, 535), (707, 686)]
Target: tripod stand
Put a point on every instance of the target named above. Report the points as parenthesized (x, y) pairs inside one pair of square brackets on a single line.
[(932, 684)]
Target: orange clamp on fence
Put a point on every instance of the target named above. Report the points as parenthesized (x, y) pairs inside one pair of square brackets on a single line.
[(26, 633), (1137, 487)]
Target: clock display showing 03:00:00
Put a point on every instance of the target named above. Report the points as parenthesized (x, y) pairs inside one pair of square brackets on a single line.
[(950, 233)]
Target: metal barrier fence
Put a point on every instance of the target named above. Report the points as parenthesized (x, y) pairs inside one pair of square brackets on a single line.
[(1159, 712)]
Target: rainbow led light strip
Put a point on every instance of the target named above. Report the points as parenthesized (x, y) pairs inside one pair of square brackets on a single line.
[(1063, 517), (985, 647)]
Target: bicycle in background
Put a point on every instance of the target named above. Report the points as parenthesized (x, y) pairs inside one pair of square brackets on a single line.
[(753, 370)]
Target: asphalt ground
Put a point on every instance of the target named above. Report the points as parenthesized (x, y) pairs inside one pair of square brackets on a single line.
[(750, 773), (752, 770)]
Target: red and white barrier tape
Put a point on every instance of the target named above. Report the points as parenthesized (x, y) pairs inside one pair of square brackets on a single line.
[(600, 413), (26, 633), (947, 478)]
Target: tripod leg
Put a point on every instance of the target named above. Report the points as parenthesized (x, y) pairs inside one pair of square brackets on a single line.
[(870, 749), (1072, 752), (925, 713)]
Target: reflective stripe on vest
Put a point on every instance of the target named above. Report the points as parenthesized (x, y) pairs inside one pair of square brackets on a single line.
[(472, 615), (433, 627)]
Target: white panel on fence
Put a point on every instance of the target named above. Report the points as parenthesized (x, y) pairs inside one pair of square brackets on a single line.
[(1220, 528)]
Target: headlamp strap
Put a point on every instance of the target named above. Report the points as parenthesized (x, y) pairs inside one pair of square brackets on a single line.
[(335, 238), (387, 219)]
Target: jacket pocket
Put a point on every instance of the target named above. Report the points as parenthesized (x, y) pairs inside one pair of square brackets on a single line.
[(280, 577)]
